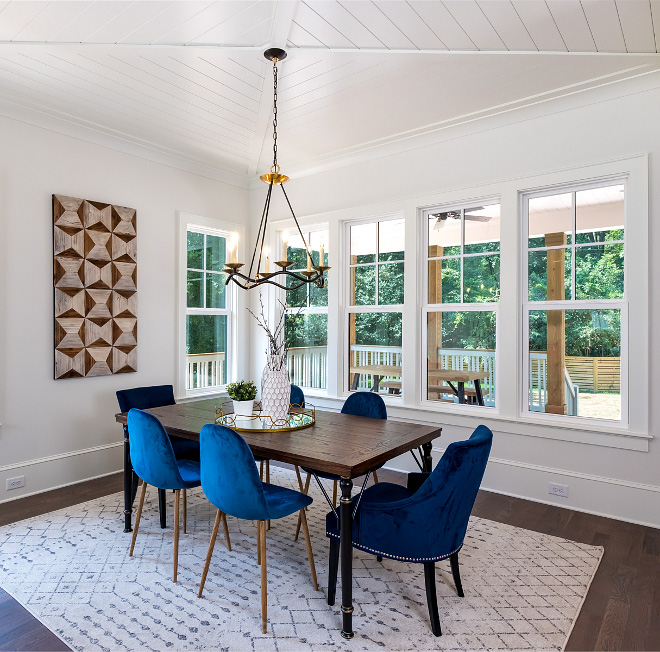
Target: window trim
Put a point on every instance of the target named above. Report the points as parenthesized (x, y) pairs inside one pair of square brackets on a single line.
[(527, 305), (343, 367), (234, 305)]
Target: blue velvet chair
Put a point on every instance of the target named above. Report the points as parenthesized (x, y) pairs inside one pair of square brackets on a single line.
[(155, 464), (231, 482), (361, 404), (422, 526), (297, 396)]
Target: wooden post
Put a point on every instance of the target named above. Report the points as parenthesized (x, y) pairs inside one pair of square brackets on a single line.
[(434, 326), (595, 374), (556, 325)]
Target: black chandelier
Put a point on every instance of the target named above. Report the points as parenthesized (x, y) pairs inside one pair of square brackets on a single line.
[(261, 276)]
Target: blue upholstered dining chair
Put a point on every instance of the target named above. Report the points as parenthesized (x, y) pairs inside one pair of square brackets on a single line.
[(231, 482), (297, 396), (154, 462), (361, 404), (423, 526)]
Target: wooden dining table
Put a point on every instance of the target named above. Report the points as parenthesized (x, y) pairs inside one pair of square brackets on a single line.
[(341, 444)]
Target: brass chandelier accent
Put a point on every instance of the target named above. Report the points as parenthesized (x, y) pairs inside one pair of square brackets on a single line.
[(261, 276)]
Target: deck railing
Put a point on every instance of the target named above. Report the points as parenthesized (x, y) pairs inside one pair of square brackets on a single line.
[(308, 366), (205, 370)]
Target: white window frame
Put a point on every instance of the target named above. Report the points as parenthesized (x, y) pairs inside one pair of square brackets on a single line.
[(343, 367), (573, 303), (462, 306), (308, 310), (233, 304)]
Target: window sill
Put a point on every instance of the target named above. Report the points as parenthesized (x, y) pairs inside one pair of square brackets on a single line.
[(471, 416), (214, 392)]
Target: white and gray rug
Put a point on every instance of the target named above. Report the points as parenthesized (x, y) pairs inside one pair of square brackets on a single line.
[(71, 569)]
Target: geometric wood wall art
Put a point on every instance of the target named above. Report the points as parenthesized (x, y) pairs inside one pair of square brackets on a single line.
[(95, 283)]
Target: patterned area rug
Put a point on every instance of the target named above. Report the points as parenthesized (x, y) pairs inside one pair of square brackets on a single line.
[(71, 569)]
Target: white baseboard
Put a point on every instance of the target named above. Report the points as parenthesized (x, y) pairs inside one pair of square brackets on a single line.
[(46, 473), (622, 500)]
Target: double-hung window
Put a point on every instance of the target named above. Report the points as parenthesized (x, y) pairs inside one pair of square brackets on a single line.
[(375, 305), (462, 296), (575, 312), (208, 303), (306, 319)]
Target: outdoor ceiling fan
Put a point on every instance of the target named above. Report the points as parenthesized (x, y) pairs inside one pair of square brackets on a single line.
[(441, 218)]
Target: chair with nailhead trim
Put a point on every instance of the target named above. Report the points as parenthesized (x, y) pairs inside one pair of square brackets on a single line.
[(422, 526)]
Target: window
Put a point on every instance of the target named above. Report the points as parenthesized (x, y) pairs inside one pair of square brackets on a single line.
[(306, 321), (375, 305), (576, 301), (207, 309), (462, 292)]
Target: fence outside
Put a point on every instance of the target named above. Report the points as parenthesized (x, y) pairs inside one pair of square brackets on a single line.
[(595, 374), (205, 370)]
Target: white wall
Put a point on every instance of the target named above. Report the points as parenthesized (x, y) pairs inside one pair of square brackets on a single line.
[(596, 127), (69, 424)]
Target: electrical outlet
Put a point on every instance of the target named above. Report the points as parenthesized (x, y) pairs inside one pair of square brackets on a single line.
[(15, 483), (558, 489)]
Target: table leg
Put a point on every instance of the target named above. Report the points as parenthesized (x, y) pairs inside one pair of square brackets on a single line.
[(162, 507), (375, 385), (128, 483), (427, 458), (346, 553), (356, 380), (477, 389), (461, 392)]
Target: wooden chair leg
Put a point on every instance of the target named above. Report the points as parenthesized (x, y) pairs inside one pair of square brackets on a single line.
[(268, 481), (375, 477), (185, 513), (310, 554), (334, 494), (304, 490), (333, 567), (264, 579), (224, 523), (259, 543), (261, 470), (177, 497), (431, 598), (453, 560), (137, 518), (209, 554)]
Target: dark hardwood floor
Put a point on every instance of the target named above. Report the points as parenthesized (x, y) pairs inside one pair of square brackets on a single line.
[(621, 611)]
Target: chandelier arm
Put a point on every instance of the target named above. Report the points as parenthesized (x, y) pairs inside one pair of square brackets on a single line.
[(250, 283), (263, 235), (295, 219), (264, 214)]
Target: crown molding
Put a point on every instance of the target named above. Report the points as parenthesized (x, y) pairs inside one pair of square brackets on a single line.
[(22, 110), (600, 89)]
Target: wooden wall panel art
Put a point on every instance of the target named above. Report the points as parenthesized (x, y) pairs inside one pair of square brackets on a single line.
[(95, 280)]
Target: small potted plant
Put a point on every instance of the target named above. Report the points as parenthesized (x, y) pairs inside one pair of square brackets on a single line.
[(242, 393)]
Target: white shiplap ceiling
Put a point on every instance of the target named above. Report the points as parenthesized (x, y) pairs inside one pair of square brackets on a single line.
[(188, 77)]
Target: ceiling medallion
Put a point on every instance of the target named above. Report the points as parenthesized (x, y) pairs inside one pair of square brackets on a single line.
[(258, 275)]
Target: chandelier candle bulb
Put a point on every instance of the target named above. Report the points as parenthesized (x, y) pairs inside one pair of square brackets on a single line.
[(309, 262), (322, 256), (285, 245)]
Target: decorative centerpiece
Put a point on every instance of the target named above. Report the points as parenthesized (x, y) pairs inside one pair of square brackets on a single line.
[(275, 384), (242, 394)]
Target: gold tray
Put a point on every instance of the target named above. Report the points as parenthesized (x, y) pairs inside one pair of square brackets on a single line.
[(297, 419)]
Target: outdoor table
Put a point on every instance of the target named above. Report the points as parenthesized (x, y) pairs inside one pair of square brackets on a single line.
[(341, 444)]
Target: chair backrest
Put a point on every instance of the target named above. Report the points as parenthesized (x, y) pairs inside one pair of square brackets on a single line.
[(297, 396), (144, 398), (365, 404), (152, 455), (230, 478), (431, 524)]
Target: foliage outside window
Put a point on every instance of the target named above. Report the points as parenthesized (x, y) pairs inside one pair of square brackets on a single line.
[(306, 321), (575, 300), (375, 317), (463, 273), (207, 314)]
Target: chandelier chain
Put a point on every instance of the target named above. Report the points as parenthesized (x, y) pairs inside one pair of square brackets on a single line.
[(275, 112)]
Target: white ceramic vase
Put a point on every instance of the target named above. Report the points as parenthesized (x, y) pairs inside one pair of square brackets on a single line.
[(243, 408), (275, 389)]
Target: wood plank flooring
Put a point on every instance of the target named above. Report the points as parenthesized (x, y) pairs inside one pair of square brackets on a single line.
[(621, 611)]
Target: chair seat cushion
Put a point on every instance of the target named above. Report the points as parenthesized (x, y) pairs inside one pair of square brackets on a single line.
[(189, 470), (283, 501), (185, 448)]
